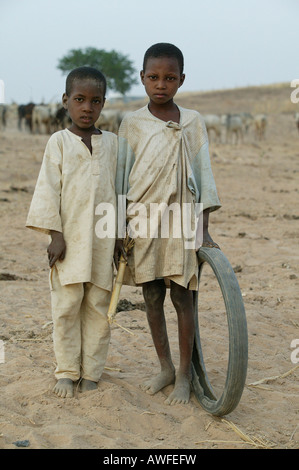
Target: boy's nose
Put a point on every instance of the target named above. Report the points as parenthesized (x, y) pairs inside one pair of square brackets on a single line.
[(88, 106), (161, 84)]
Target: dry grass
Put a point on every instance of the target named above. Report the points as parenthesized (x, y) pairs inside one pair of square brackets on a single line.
[(274, 377)]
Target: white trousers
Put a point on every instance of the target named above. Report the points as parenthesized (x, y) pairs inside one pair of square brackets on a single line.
[(81, 331)]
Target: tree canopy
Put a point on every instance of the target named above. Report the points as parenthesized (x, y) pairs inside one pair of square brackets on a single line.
[(116, 67)]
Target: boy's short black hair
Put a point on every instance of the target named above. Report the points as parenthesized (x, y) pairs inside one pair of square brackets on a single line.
[(81, 73), (164, 49)]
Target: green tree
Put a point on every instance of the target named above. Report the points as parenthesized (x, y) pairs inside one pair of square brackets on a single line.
[(116, 67)]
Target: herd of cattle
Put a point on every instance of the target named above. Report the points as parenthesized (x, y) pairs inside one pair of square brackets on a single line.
[(48, 118), (235, 126)]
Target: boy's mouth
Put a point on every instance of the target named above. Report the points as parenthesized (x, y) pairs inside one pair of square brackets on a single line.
[(160, 95)]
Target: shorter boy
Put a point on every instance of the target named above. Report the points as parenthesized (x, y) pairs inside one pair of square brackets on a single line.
[(77, 174)]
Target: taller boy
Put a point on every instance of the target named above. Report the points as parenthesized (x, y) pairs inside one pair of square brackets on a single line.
[(164, 158)]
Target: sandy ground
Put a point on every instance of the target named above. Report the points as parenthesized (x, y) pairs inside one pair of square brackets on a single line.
[(257, 229)]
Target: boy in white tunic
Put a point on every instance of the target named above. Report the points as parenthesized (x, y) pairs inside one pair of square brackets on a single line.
[(164, 158), (77, 174)]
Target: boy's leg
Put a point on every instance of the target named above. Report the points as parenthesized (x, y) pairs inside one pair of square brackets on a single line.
[(183, 302), (95, 334), (154, 296), (66, 303)]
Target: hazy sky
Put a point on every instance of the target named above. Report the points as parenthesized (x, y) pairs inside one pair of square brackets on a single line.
[(226, 43)]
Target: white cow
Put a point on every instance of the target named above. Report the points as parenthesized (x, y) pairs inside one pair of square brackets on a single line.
[(247, 120), (234, 127), (122, 114), (260, 122), (213, 123), (109, 120), (43, 117)]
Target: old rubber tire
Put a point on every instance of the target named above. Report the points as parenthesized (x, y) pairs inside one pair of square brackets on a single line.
[(237, 335)]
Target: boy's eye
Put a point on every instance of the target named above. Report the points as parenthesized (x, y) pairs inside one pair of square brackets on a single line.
[(79, 99), (154, 77)]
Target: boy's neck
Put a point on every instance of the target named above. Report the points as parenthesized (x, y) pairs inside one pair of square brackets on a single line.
[(166, 112), (84, 133)]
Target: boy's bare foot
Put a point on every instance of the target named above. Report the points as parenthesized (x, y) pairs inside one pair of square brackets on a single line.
[(87, 385), (156, 384), (181, 391), (64, 388)]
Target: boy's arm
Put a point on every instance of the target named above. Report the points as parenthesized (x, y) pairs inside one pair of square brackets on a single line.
[(125, 162), (204, 178), (207, 239), (44, 212)]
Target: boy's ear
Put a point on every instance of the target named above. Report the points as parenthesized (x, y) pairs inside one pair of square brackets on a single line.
[(142, 76), (182, 79), (64, 100)]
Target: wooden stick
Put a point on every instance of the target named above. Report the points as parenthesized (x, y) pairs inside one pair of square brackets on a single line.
[(116, 289), (128, 244)]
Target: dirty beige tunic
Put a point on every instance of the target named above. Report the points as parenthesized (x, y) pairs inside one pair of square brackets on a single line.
[(71, 183), (164, 162)]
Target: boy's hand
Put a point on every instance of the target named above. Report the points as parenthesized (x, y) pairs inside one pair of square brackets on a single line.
[(208, 241), (57, 248), (118, 251)]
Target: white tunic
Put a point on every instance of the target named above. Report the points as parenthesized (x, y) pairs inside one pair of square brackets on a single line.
[(165, 162), (71, 183)]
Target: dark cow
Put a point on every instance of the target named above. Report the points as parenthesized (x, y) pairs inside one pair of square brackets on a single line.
[(25, 112), (62, 119), (3, 111)]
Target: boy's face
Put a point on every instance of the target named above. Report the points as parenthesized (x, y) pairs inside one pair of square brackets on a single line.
[(162, 78), (84, 104)]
